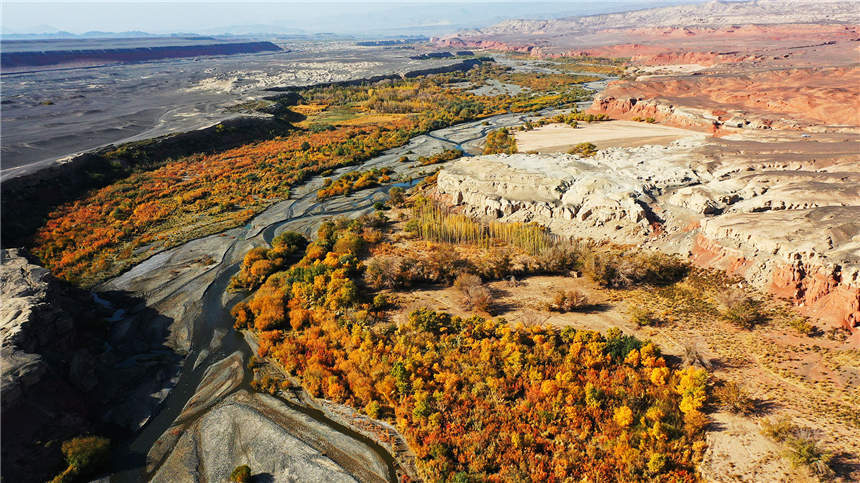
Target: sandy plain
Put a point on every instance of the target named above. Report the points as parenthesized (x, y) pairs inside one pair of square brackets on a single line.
[(557, 138)]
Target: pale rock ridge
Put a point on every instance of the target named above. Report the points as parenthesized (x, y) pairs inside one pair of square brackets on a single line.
[(793, 232)]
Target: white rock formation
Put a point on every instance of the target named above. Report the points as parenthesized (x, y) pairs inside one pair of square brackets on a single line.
[(790, 226)]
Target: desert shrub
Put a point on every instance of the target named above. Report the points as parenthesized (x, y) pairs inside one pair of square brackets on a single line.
[(803, 450), (85, 455), (439, 265), (500, 141), (241, 474), (802, 326), (693, 357), (395, 196), (584, 149), (495, 264), (475, 296), (801, 445), (740, 309), (778, 430), (732, 397), (383, 272), (478, 298), (616, 270), (559, 258), (643, 317), (568, 301), (466, 280)]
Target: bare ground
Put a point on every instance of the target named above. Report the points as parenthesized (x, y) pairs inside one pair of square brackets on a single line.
[(557, 138)]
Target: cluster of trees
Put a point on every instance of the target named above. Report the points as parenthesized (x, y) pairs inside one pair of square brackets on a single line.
[(441, 157), (597, 65), (112, 228), (116, 226), (546, 82), (571, 118), (434, 222), (477, 398), (354, 181), (500, 141), (261, 262)]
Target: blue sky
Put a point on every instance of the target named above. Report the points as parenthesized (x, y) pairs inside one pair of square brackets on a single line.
[(344, 17)]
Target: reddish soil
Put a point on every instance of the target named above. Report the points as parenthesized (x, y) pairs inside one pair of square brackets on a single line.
[(784, 98)]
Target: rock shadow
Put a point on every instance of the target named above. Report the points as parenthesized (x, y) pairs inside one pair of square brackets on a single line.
[(99, 359)]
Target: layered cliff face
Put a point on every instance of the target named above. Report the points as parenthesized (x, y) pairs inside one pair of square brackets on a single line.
[(55, 56), (781, 213), (814, 99), (715, 30)]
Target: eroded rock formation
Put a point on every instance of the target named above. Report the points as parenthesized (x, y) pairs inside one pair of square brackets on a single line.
[(815, 99), (783, 214), (69, 367)]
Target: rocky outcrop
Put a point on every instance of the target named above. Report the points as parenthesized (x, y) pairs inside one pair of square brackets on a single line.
[(36, 323), (260, 431), (66, 370), (220, 428), (47, 366), (788, 227)]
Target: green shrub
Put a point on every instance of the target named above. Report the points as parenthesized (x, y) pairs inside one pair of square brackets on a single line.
[(733, 398), (643, 317), (803, 450), (380, 302), (568, 301), (801, 446), (585, 150), (430, 320), (802, 326), (740, 309), (619, 345), (85, 455), (372, 409), (241, 474)]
